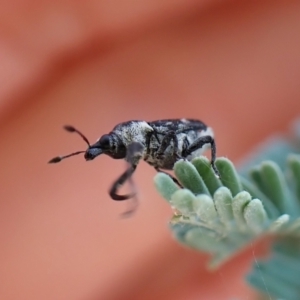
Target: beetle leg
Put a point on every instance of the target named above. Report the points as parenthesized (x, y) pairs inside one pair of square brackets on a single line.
[(199, 143), (166, 142), (172, 135), (134, 154), (148, 140), (118, 184), (172, 177)]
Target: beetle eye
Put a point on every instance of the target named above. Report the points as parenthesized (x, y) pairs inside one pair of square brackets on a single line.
[(104, 142)]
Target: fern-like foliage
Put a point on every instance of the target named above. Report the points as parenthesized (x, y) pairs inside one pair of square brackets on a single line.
[(221, 216)]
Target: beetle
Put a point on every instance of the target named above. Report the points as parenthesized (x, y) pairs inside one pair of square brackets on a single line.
[(159, 143)]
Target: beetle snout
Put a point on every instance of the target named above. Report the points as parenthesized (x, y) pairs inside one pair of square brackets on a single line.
[(91, 153)]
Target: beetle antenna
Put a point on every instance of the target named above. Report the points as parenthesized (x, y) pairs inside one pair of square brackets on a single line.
[(60, 158), (73, 129)]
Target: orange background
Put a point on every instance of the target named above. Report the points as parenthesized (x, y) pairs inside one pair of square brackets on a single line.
[(233, 64)]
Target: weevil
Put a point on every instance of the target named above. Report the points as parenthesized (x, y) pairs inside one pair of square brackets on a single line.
[(159, 143)]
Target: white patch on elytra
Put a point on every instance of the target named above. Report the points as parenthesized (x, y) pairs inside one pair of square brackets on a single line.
[(133, 132), (205, 132)]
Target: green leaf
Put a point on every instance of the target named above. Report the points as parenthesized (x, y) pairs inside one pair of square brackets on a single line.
[(165, 185), (279, 275), (190, 178), (255, 215), (229, 175), (205, 240), (256, 176), (279, 223), (203, 166), (294, 164), (183, 200), (204, 207), (223, 202), (239, 203), (276, 188), (270, 208)]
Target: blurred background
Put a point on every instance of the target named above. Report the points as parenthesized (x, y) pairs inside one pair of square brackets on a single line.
[(233, 64)]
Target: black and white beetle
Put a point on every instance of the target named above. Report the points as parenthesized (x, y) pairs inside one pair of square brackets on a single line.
[(159, 143)]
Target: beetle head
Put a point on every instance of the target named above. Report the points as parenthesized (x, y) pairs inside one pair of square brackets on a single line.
[(108, 144), (103, 145)]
